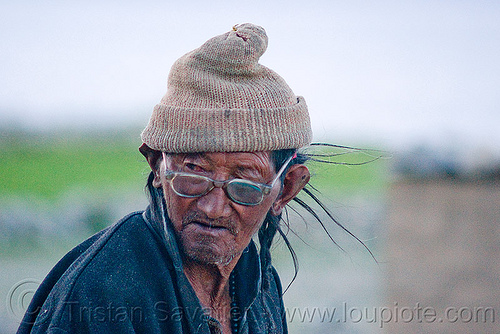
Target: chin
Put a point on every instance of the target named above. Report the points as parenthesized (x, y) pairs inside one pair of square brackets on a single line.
[(207, 252)]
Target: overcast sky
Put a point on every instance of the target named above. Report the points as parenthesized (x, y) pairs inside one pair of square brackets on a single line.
[(392, 71)]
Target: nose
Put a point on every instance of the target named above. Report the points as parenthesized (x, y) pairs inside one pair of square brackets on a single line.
[(215, 204)]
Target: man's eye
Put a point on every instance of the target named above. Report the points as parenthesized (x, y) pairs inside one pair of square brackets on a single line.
[(193, 167)]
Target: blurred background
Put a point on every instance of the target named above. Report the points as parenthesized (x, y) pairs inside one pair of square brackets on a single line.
[(417, 79)]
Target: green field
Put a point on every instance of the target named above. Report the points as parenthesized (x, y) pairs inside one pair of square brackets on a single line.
[(48, 166)]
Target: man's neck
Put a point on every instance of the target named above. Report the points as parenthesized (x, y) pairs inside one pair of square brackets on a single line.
[(211, 285), (209, 281)]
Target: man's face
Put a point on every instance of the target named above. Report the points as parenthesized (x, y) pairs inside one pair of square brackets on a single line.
[(213, 229)]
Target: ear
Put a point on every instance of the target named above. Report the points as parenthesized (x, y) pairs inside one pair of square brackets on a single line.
[(295, 180), (154, 159)]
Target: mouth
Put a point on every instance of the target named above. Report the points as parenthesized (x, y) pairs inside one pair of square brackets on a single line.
[(209, 225), (211, 228)]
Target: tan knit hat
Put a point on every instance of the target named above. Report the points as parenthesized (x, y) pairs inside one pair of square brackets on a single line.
[(220, 99)]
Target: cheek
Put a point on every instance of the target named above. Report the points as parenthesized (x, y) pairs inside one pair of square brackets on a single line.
[(257, 214), (176, 206), (253, 218)]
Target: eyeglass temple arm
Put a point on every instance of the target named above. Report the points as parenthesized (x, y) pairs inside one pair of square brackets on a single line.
[(282, 169), (164, 162)]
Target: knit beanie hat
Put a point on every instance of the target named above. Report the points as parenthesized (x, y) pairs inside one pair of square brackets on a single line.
[(220, 99)]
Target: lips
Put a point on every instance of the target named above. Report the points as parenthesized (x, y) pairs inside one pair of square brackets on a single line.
[(209, 225), (202, 223), (216, 227), (199, 229)]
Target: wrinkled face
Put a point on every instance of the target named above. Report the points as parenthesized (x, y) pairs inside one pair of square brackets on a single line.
[(213, 229)]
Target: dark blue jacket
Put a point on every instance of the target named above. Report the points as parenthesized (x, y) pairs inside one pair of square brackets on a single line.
[(128, 278)]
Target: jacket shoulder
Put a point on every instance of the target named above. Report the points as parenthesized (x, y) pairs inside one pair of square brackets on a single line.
[(88, 259)]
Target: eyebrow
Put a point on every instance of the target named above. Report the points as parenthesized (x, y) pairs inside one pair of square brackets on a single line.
[(244, 167), (195, 156)]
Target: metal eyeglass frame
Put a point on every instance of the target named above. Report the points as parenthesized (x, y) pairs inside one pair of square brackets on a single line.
[(264, 188)]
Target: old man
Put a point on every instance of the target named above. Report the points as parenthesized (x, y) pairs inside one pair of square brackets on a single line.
[(222, 146)]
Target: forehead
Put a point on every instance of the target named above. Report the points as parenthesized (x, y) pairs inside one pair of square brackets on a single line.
[(231, 160)]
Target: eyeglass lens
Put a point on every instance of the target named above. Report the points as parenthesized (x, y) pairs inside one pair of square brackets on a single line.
[(239, 191), (243, 192), (191, 185)]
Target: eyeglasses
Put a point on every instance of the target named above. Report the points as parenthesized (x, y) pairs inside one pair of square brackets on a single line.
[(244, 192)]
